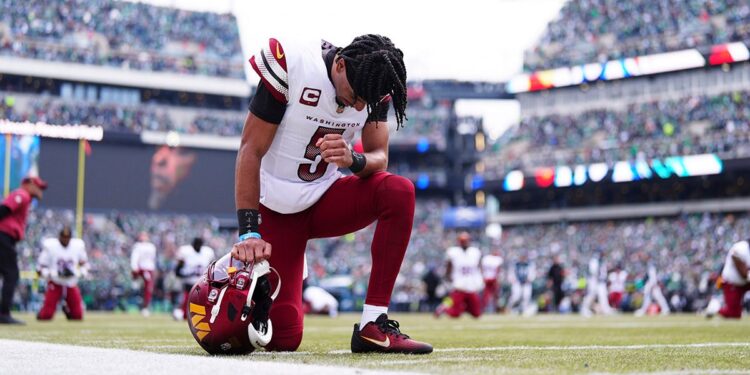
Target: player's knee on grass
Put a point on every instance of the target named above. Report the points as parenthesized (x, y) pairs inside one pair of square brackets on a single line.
[(287, 328)]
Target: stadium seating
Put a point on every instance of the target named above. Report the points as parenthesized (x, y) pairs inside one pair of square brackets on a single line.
[(425, 122), (690, 125), (589, 31), (120, 117), (122, 34)]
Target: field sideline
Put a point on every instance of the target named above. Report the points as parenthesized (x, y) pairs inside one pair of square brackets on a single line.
[(493, 344)]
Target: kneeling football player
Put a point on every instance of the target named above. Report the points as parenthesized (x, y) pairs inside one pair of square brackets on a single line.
[(312, 99)]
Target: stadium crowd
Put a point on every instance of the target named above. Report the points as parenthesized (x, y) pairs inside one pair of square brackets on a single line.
[(691, 125), (687, 251), (119, 117), (426, 122), (122, 34), (589, 31)]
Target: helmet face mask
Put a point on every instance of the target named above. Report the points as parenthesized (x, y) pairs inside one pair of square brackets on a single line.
[(229, 306)]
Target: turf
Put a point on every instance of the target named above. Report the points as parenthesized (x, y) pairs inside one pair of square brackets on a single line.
[(492, 344)]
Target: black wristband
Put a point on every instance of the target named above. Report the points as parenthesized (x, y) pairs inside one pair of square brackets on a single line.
[(248, 220), (358, 162)]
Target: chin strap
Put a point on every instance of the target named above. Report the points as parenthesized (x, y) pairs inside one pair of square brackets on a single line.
[(217, 305), (261, 336)]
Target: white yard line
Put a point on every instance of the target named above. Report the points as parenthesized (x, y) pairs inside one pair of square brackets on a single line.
[(581, 347), (683, 372), (23, 357), (600, 347)]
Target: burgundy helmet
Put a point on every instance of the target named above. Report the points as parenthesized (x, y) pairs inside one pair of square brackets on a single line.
[(228, 307)]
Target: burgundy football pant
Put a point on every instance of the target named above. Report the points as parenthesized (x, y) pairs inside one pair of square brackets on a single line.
[(53, 295), (350, 204), (733, 300), (148, 286), (464, 301), (490, 294)]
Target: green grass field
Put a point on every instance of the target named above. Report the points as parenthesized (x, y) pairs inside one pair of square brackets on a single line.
[(492, 344)]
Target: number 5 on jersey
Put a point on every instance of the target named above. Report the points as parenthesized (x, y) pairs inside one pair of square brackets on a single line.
[(305, 170)]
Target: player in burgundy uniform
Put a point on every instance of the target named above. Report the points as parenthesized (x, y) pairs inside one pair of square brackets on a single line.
[(13, 213), (617, 279), (735, 278), (143, 266), (311, 101), (491, 265), (463, 271), (62, 261)]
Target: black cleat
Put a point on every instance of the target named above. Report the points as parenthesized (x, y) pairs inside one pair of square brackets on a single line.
[(7, 319)]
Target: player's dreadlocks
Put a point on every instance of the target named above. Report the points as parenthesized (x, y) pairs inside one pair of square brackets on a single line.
[(375, 68)]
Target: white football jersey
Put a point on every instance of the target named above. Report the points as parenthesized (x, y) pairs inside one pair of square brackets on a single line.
[(729, 273), (465, 273), (293, 175), (195, 262), (617, 280), (491, 266), (593, 268), (56, 259), (143, 257)]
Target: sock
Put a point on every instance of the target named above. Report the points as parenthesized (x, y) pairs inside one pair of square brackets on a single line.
[(370, 313)]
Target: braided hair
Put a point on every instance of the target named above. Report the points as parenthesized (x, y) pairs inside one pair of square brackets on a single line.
[(375, 68)]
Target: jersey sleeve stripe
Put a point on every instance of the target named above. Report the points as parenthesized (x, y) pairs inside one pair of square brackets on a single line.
[(274, 68), (274, 86)]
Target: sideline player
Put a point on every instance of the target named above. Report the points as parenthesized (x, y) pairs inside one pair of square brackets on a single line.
[(312, 99), (491, 264), (596, 287), (143, 266), (652, 290), (617, 280), (522, 276), (192, 261), (735, 282), (13, 213), (462, 269), (62, 262)]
